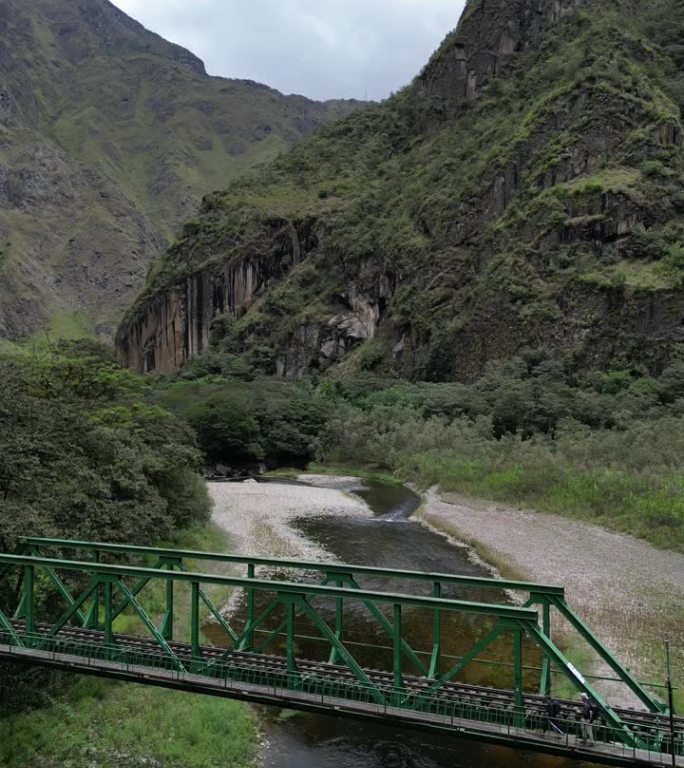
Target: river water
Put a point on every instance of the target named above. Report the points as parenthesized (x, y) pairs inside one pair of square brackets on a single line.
[(390, 539)]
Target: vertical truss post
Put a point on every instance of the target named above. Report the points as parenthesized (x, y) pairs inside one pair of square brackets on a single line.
[(291, 650), (92, 616), (347, 580), (339, 627), (370, 687), (167, 622), (248, 641), (436, 659), (397, 648), (519, 707), (166, 628), (336, 581), (108, 588), (194, 623), (545, 681), (29, 595)]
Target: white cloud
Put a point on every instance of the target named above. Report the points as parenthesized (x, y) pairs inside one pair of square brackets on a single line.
[(321, 48)]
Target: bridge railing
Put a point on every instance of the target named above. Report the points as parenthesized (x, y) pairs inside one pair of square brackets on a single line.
[(263, 682)]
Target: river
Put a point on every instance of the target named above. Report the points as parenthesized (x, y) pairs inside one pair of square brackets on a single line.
[(390, 538)]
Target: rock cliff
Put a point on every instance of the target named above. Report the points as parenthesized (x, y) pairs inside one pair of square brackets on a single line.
[(525, 190)]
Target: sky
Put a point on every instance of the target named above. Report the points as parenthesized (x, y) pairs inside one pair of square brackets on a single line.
[(323, 49)]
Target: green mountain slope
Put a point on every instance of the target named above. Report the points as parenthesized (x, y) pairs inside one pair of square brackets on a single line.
[(109, 137), (525, 190)]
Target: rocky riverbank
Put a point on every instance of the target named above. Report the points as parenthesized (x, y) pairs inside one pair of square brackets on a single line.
[(257, 516), (629, 592)]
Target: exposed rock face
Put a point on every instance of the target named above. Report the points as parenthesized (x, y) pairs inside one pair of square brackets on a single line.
[(526, 190), (176, 325), (109, 137), (490, 31)]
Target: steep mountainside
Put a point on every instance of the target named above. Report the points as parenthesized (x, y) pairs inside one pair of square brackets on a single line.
[(109, 137), (525, 190)]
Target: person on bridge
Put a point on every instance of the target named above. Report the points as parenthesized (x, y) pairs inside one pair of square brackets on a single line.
[(589, 713), (553, 710)]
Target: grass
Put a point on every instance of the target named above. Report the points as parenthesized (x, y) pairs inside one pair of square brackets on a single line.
[(101, 724), (367, 473), (98, 723), (650, 507)]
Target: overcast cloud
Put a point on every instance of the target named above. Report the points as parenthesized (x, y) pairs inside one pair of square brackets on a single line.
[(321, 48)]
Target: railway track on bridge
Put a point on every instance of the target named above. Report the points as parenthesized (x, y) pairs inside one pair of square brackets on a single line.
[(494, 698), (142, 658)]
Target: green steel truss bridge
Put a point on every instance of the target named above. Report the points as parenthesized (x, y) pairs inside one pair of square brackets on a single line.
[(144, 615)]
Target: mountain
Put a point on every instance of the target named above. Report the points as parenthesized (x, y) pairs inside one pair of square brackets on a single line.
[(525, 191), (109, 137)]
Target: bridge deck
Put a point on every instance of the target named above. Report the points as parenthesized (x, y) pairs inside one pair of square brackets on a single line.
[(457, 709)]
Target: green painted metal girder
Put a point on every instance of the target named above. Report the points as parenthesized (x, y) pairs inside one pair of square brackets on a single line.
[(444, 578), (63, 591), (213, 610), (75, 606), (349, 581), (549, 648), (469, 657), (298, 600), (285, 587), (341, 649), (623, 673), (147, 621), (9, 629)]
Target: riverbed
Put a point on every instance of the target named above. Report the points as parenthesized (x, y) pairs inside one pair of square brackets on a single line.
[(348, 520), (630, 593)]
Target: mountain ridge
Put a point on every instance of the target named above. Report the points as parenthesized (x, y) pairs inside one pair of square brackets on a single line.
[(525, 189), (109, 136)]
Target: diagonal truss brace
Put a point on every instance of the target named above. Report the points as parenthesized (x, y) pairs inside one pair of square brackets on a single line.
[(549, 649), (132, 600), (346, 579), (624, 674), (9, 629), (470, 656)]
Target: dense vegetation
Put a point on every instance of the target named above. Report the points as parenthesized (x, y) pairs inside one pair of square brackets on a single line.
[(606, 446), (82, 454)]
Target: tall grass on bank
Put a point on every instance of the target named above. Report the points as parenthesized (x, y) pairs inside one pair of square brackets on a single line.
[(631, 480), (101, 725), (649, 507)]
